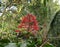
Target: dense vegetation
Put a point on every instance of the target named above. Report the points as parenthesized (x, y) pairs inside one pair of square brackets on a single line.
[(14, 13)]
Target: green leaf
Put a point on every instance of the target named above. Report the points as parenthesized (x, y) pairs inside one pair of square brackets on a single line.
[(48, 45)]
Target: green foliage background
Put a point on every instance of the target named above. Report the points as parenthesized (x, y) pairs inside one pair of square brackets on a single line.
[(44, 10)]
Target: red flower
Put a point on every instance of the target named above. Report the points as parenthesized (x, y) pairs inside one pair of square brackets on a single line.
[(35, 27), (24, 19), (31, 17), (20, 26), (17, 31), (28, 18), (29, 22)]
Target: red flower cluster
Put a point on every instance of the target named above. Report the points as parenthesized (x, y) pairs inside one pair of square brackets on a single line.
[(29, 22), (17, 31)]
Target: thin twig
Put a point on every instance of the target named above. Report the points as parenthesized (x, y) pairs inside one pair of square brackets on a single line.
[(44, 43)]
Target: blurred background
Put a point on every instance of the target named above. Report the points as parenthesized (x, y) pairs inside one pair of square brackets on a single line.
[(47, 14)]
